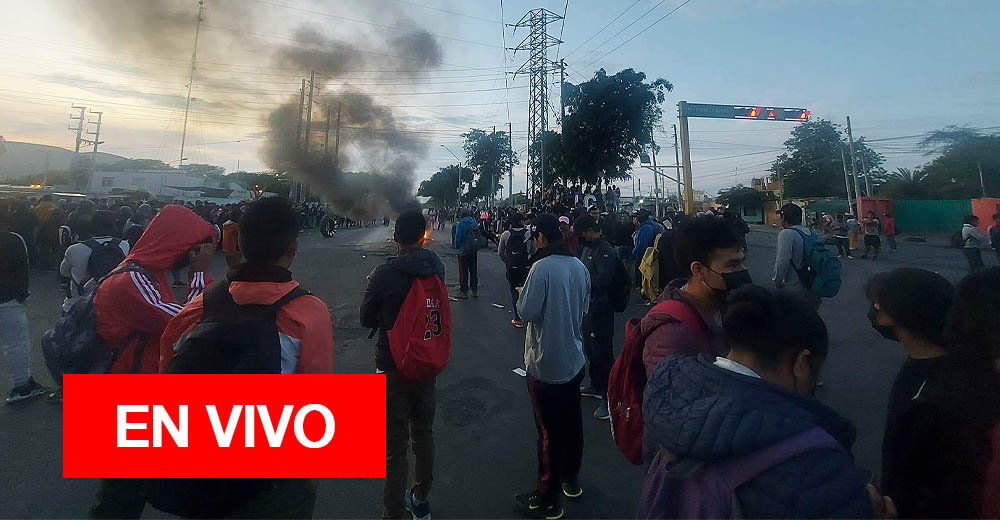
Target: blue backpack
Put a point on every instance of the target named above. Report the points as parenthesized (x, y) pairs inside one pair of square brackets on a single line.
[(686, 488), (820, 270)]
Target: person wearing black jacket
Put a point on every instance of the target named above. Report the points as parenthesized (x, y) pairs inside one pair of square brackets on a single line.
[(936, 447), (599, 322), (410, 405), (13, 319)]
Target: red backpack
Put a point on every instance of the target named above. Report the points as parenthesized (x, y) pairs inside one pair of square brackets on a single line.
[(628, 378), (420, 340)]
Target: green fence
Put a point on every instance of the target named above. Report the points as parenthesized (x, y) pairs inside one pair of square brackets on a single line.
[(923, 216)]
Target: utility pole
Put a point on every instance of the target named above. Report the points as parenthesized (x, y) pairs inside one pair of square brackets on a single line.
[(493, 179), (97, 141), (298, 126), (864, 168), (854, 167), (847, 180), (537, 66), (686, 157), (309, 110), (79, 140), (326, 134), (510, 175), (982, 185), (194, 61), (677, 165), (562, 98), (656, 174), (336, 143)]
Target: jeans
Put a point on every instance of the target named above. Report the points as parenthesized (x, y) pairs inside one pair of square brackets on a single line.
[(892, 242), (974, 257), (409, 418), (468, 272), (14, 341), (843, 246), (560, 433), (872, 242), (598, 345), (515, 280)]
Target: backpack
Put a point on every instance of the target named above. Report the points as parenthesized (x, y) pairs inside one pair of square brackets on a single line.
[(628, 378), (420, 339), (649, 267), (229, 339), (517, 252), (103, 257), (956, 240), (686, 488), (820, 270), (72, 346), (475, 240)]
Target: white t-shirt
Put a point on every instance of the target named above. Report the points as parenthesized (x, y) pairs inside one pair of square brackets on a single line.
[(75, 260)]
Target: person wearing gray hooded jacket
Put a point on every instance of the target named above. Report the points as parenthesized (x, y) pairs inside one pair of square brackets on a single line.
[(553, 301)]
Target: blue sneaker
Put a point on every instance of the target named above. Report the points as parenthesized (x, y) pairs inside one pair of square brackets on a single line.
[(419, 510)]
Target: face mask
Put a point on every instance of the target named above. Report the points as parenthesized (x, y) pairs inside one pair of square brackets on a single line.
[(887, 331), (732, 280)]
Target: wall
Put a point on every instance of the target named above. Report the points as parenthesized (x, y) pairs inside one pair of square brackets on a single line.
[(879, 206), (985, 208), (922, 216)]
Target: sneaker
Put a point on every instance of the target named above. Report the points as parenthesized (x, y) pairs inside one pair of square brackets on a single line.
[(475, 293), (840, 256), (531, 504), (55, 397), (25, 391), (589, 391), (178, 283), (602, 411), (571, 489), (517, 323), (419, 510), (463, 295)]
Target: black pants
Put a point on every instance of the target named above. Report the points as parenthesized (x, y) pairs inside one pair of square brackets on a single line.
[(560, 433), (843, 246), (598, 345), (872, 242), (283, 498), (515, 280), (975, 258), (468, 272), (409, 415)]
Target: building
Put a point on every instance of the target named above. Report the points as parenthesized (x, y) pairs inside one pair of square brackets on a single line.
[(166, 185)]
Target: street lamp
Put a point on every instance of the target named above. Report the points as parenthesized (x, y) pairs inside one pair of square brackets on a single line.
[(458, 200)]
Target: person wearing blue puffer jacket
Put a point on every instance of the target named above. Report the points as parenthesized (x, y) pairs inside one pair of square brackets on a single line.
[(713, 410), (468, 266), (646, 234)]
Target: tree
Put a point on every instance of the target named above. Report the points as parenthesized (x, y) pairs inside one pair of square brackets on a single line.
[(136, 164), (206, 170), (905, 183), (442, 187), (955, 172), (556, 168), (609, 121), (490, 157), (741, 196), (812, 165)]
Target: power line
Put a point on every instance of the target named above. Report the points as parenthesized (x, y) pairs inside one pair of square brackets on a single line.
[(448, 12), (561, 28), (636, 35), (623, 29), (615, 19)]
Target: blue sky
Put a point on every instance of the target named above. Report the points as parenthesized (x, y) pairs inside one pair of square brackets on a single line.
[(897, 68)]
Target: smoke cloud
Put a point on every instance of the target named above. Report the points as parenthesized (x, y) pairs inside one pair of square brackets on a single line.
[(374, 172)]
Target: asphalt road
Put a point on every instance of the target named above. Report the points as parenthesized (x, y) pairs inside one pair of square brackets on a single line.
[(485, 433)]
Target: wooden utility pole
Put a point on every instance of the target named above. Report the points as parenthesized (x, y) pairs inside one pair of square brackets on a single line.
[(336, 142), (309, 109), (677, 166), (510, 174), (854, 167), (847, 180), (298, 127), (326, 134)]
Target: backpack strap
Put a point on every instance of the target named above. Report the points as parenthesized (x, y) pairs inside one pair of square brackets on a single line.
[(293, 294), (686, 314), (92, 244), (740, 470)]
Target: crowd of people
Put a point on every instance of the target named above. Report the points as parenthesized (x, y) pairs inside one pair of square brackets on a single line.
[(729, 367)]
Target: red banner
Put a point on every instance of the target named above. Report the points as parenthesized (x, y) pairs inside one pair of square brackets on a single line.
[(224, 426)]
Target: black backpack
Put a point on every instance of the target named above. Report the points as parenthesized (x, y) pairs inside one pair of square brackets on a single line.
[(104, 258), (229, 339), (517, 251), (72, 346), (475, 241)]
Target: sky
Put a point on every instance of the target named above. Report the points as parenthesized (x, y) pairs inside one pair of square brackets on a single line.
[(897, 68)]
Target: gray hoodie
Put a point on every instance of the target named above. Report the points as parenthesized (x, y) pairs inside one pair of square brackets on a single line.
[(553, 301)]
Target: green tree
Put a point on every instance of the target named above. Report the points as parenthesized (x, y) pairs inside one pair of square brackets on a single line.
[(812, 165), (206, 170), (609, 121), (905, 183), (955, 172), (136, 164), (488, 154), (556, 168), (442, 187), (741, 196)]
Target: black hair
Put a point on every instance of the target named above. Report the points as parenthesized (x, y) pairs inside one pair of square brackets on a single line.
[(972, 322), (516, 218), (916, 299), (104, 223), (970, 219), (696, 239), (547, 225), (585, 223), (792, 214), (773, 325), (267, 230), (642, 214), (410, 228)]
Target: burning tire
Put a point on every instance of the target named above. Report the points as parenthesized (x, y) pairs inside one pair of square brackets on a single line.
[(328, 226)]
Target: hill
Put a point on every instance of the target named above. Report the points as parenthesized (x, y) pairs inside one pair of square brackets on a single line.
[(20, 159)]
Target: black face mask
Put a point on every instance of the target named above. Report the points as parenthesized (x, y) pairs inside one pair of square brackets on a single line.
[(887, 331), (732, 280)]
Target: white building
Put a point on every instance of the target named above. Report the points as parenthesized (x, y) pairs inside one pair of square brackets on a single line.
[(167, 186)]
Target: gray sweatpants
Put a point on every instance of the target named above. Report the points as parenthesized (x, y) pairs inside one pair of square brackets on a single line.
[(14, 341)]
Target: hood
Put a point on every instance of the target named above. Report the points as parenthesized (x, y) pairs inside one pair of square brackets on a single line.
[(419, 263), (174, 230), (557, 248), (693, 408), (468, 220)]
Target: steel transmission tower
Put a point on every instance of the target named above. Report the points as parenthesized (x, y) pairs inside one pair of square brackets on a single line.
[(536, 43)]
